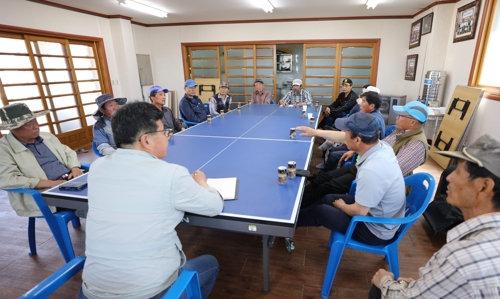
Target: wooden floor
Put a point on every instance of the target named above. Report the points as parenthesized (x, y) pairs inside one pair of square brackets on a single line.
[(293, 275)]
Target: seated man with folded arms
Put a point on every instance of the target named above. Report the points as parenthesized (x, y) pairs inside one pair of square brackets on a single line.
[(260, 95), (135, 202), (221, 101), (380, 190), (30, 158), (342, 105), (467, 265), (191, 106), (370, 103), (157, 95), (297, 96), (103, 136), (408, 142)]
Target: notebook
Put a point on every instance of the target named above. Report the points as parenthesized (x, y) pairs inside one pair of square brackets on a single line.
[(227, 187)]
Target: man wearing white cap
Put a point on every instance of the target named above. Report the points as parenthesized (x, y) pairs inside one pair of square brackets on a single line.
[(30, 158), (467, 265), (297, 96)]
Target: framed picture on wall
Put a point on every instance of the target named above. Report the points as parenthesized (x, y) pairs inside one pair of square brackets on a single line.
[(411, 67), (416, 31), (466, 22), (427, 23)]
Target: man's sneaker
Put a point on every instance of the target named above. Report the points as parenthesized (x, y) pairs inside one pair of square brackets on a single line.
[(325, 145), (321, 166)]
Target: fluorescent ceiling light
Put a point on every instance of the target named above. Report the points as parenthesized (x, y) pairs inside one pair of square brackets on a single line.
[(372, 4), (143, 8), (266, 5)]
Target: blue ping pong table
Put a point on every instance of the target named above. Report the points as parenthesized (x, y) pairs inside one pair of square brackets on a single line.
[(249, 146)]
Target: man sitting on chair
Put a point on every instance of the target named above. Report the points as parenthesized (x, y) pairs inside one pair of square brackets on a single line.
[(467, 265), (297, 96), (135, 202), (220, 101), (31, 159), (380, 189), (408, 142), (103, 136), (191, 106), (158, 97)]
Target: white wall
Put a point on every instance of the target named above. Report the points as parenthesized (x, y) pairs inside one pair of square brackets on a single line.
[(43, 17), (123, 40), (438, 52), (167, 56)]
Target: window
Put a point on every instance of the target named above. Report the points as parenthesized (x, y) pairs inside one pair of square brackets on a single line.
[(57, 74), (486, 65)]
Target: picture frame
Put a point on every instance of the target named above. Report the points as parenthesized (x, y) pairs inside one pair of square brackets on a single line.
[(411, 67), (466, 21), (427, 23), (415, 33)]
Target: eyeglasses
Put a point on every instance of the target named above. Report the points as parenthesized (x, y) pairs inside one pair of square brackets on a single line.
[(165, 131), (405, 116)]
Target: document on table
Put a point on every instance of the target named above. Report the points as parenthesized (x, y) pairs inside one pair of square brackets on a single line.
[(227, 187)]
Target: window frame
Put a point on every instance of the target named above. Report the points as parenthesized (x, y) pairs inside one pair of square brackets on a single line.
[(491, 92), (73, 138)]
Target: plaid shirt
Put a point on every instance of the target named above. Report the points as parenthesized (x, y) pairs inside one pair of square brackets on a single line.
[(467, 266), (410, 156), (302, 96)]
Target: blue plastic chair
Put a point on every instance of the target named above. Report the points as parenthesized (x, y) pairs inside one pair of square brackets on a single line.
[(95, 150), (207, 107), (188, 281), (187, 122), (58, 224), (389, 130), (56, 280), (352, 160), (416, 203)]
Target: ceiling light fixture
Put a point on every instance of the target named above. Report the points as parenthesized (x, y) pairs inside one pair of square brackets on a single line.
[(143, 8), (266, 5), (372, 4)]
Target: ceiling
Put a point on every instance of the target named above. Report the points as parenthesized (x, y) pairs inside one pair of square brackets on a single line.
[(188, 11)]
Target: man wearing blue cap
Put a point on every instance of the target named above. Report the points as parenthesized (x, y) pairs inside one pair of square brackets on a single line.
[(157, 95), (191, 106), (103, 136), (380, 189), (408, 142)]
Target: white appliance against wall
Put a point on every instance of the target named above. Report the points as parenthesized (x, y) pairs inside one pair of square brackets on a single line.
[(432, 93), (386, 107)]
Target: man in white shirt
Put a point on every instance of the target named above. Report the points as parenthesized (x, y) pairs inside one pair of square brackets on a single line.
[(135, 202)]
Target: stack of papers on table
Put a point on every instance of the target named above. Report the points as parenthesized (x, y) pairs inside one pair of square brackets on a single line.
[(227, 187)]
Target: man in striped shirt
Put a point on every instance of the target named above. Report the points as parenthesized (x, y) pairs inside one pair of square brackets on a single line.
[(297, 96), (467, 266)]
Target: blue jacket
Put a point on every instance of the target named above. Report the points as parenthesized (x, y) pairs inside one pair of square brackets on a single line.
[(193, 109), (381, 122)]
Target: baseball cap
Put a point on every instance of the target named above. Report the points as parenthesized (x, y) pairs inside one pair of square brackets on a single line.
[(190, 83), (224, 84), (485, 152), (157, 88), (258, 80), (363, 124), (371, 88), (297, 82), (415, 109), (347, 81)]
